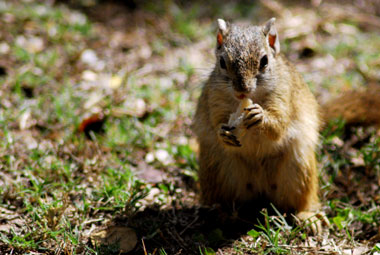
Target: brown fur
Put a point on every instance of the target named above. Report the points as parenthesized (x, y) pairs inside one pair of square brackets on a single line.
[(356, 107), (276, 159)]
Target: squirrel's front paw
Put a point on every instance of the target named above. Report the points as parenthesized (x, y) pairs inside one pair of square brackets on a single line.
[(225, 133), (254, 116)]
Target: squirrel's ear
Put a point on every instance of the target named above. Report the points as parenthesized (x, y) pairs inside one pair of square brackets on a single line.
[(222, 31), (271, 34)]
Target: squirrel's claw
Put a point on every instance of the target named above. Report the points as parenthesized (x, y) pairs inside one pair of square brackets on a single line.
[(227, 137), (313, 221), (254, 116)]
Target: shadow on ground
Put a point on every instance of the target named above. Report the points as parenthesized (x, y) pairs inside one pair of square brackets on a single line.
[(186, 230), (189, 229)]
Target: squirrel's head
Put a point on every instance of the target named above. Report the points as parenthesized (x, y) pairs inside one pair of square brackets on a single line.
[(246, 54)]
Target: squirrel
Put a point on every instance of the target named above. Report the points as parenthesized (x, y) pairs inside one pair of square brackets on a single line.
[(257, 125)]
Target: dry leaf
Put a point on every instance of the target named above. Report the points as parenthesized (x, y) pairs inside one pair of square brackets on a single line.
[(358, 161), (11, 220), (124, 236), (93, 99), (93, 123)]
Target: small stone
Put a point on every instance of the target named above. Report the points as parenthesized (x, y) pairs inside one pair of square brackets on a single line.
[(89, 75), (33, 44), (89, 57), (41, 10), (166, 83), (182, 140), (116, 82), (149, 157), (153, 194), (4, 48), (77, 18), (135, 107), (163, 156), (24, 120)]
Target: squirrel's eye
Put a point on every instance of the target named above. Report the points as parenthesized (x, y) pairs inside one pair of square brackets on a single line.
[(222, 63), (263, 62)]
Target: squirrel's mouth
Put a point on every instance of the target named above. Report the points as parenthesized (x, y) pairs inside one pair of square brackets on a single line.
[(240, 96)]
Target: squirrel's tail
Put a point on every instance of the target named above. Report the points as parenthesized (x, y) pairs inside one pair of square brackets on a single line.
[(356, 107)]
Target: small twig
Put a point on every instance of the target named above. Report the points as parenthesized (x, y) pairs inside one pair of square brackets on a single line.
[(145, 252), (189, 225), (177, 237), (92, 221)]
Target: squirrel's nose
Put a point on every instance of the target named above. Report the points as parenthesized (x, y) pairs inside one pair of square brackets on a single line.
[(244, 86), (240, 86)]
